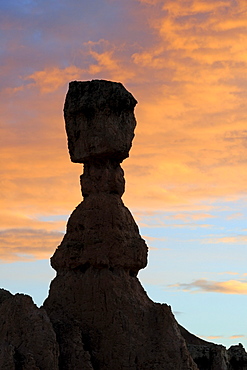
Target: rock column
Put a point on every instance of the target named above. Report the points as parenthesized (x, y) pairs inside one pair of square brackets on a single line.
[(102, 316)]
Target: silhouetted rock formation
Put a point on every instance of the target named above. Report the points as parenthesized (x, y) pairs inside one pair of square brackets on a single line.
[(102, 316), (97, 315), (237, 357), (27, 339), (210, 356)]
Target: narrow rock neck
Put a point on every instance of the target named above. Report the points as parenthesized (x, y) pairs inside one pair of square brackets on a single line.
[(102, 176)]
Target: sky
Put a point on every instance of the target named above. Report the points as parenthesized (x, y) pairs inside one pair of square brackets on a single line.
[(185, 62)]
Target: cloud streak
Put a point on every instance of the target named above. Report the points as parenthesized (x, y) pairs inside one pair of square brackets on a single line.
[(237, 336), (27, 244), (224, 287), (238, 239)]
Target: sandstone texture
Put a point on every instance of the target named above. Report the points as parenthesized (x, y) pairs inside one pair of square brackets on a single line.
[(27, 338)]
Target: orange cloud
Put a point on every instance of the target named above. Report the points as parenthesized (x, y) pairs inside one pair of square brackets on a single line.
[(102, 52), (37, 179), (190, 145), (152, 2), (161, 219), (237, 336), (188, 217), (52, 79), (107, 63), (153, 58), (225, 287), (211, 337), (27, 244), (190, 150), (181, 8), (25, 237), (239, 239)]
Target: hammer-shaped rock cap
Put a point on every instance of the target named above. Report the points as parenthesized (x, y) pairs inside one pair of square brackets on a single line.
[(100, 121)]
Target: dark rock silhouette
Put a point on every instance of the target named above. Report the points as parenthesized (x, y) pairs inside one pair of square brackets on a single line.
[(100, 121), (237, 357), (207, 355), (101, 314), (210, 356), (27, 339), (97, 315)]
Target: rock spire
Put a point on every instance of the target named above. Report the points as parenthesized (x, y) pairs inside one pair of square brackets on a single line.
[(97, 315), (101, 231), (102, 316)]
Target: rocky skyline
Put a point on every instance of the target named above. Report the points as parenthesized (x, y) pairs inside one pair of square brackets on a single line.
[(185, 62)]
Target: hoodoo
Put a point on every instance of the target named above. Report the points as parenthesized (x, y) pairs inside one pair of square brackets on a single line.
[(102, 316), (97, 315)]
